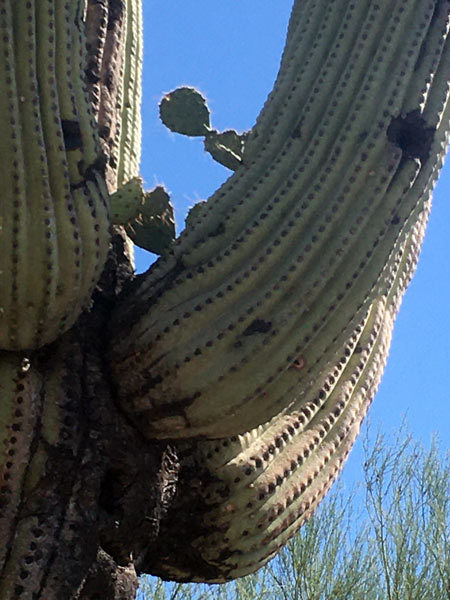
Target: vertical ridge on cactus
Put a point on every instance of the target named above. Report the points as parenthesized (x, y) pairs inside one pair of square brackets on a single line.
[(129, 145)]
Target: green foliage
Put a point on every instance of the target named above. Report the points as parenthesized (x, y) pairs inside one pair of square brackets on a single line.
[(387, 539)]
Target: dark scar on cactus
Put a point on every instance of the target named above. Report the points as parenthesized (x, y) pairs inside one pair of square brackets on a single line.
[(258, 326), (177, 409), (411, 135), (72, 134), (91, 172), (97, 167)]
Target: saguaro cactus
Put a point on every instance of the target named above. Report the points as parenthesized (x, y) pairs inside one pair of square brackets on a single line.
[(234, 375)]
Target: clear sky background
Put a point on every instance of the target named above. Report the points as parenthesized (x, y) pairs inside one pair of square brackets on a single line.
[(230, 50)]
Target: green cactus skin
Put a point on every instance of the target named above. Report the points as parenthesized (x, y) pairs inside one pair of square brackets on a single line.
[(286, 257), (226, 147), (54, 229), (260, 487)]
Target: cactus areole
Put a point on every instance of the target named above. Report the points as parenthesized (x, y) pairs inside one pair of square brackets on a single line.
[(186, 422)]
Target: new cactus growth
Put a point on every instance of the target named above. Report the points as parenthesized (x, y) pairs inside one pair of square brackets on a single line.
[(234, 375)]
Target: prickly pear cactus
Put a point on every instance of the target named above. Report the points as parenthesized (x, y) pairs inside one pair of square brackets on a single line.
[(185, 111), (234, 375), (147, 217)]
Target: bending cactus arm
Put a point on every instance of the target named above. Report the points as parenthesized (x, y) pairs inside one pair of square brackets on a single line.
[(284, 260), (258, 488)]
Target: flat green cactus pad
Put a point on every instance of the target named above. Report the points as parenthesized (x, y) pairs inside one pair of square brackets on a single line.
[(185, 111), (226, 147), (147, 217), (154, 229)]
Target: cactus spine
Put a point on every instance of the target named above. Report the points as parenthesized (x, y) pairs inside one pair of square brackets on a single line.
[(285, 259)]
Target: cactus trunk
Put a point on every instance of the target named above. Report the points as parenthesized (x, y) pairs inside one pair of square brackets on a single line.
[(234, 375)]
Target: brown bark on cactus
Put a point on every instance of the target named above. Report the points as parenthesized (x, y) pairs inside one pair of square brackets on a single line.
[(83, 493), (88, 499)]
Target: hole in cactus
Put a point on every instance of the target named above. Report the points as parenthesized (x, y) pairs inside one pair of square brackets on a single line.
[(72, 134), (411, 135)]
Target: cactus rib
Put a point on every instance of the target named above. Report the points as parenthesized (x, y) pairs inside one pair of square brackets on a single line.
[(129, 143), (293, 249)]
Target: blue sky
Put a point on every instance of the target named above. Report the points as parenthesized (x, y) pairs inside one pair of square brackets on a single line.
[(230, 50)]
